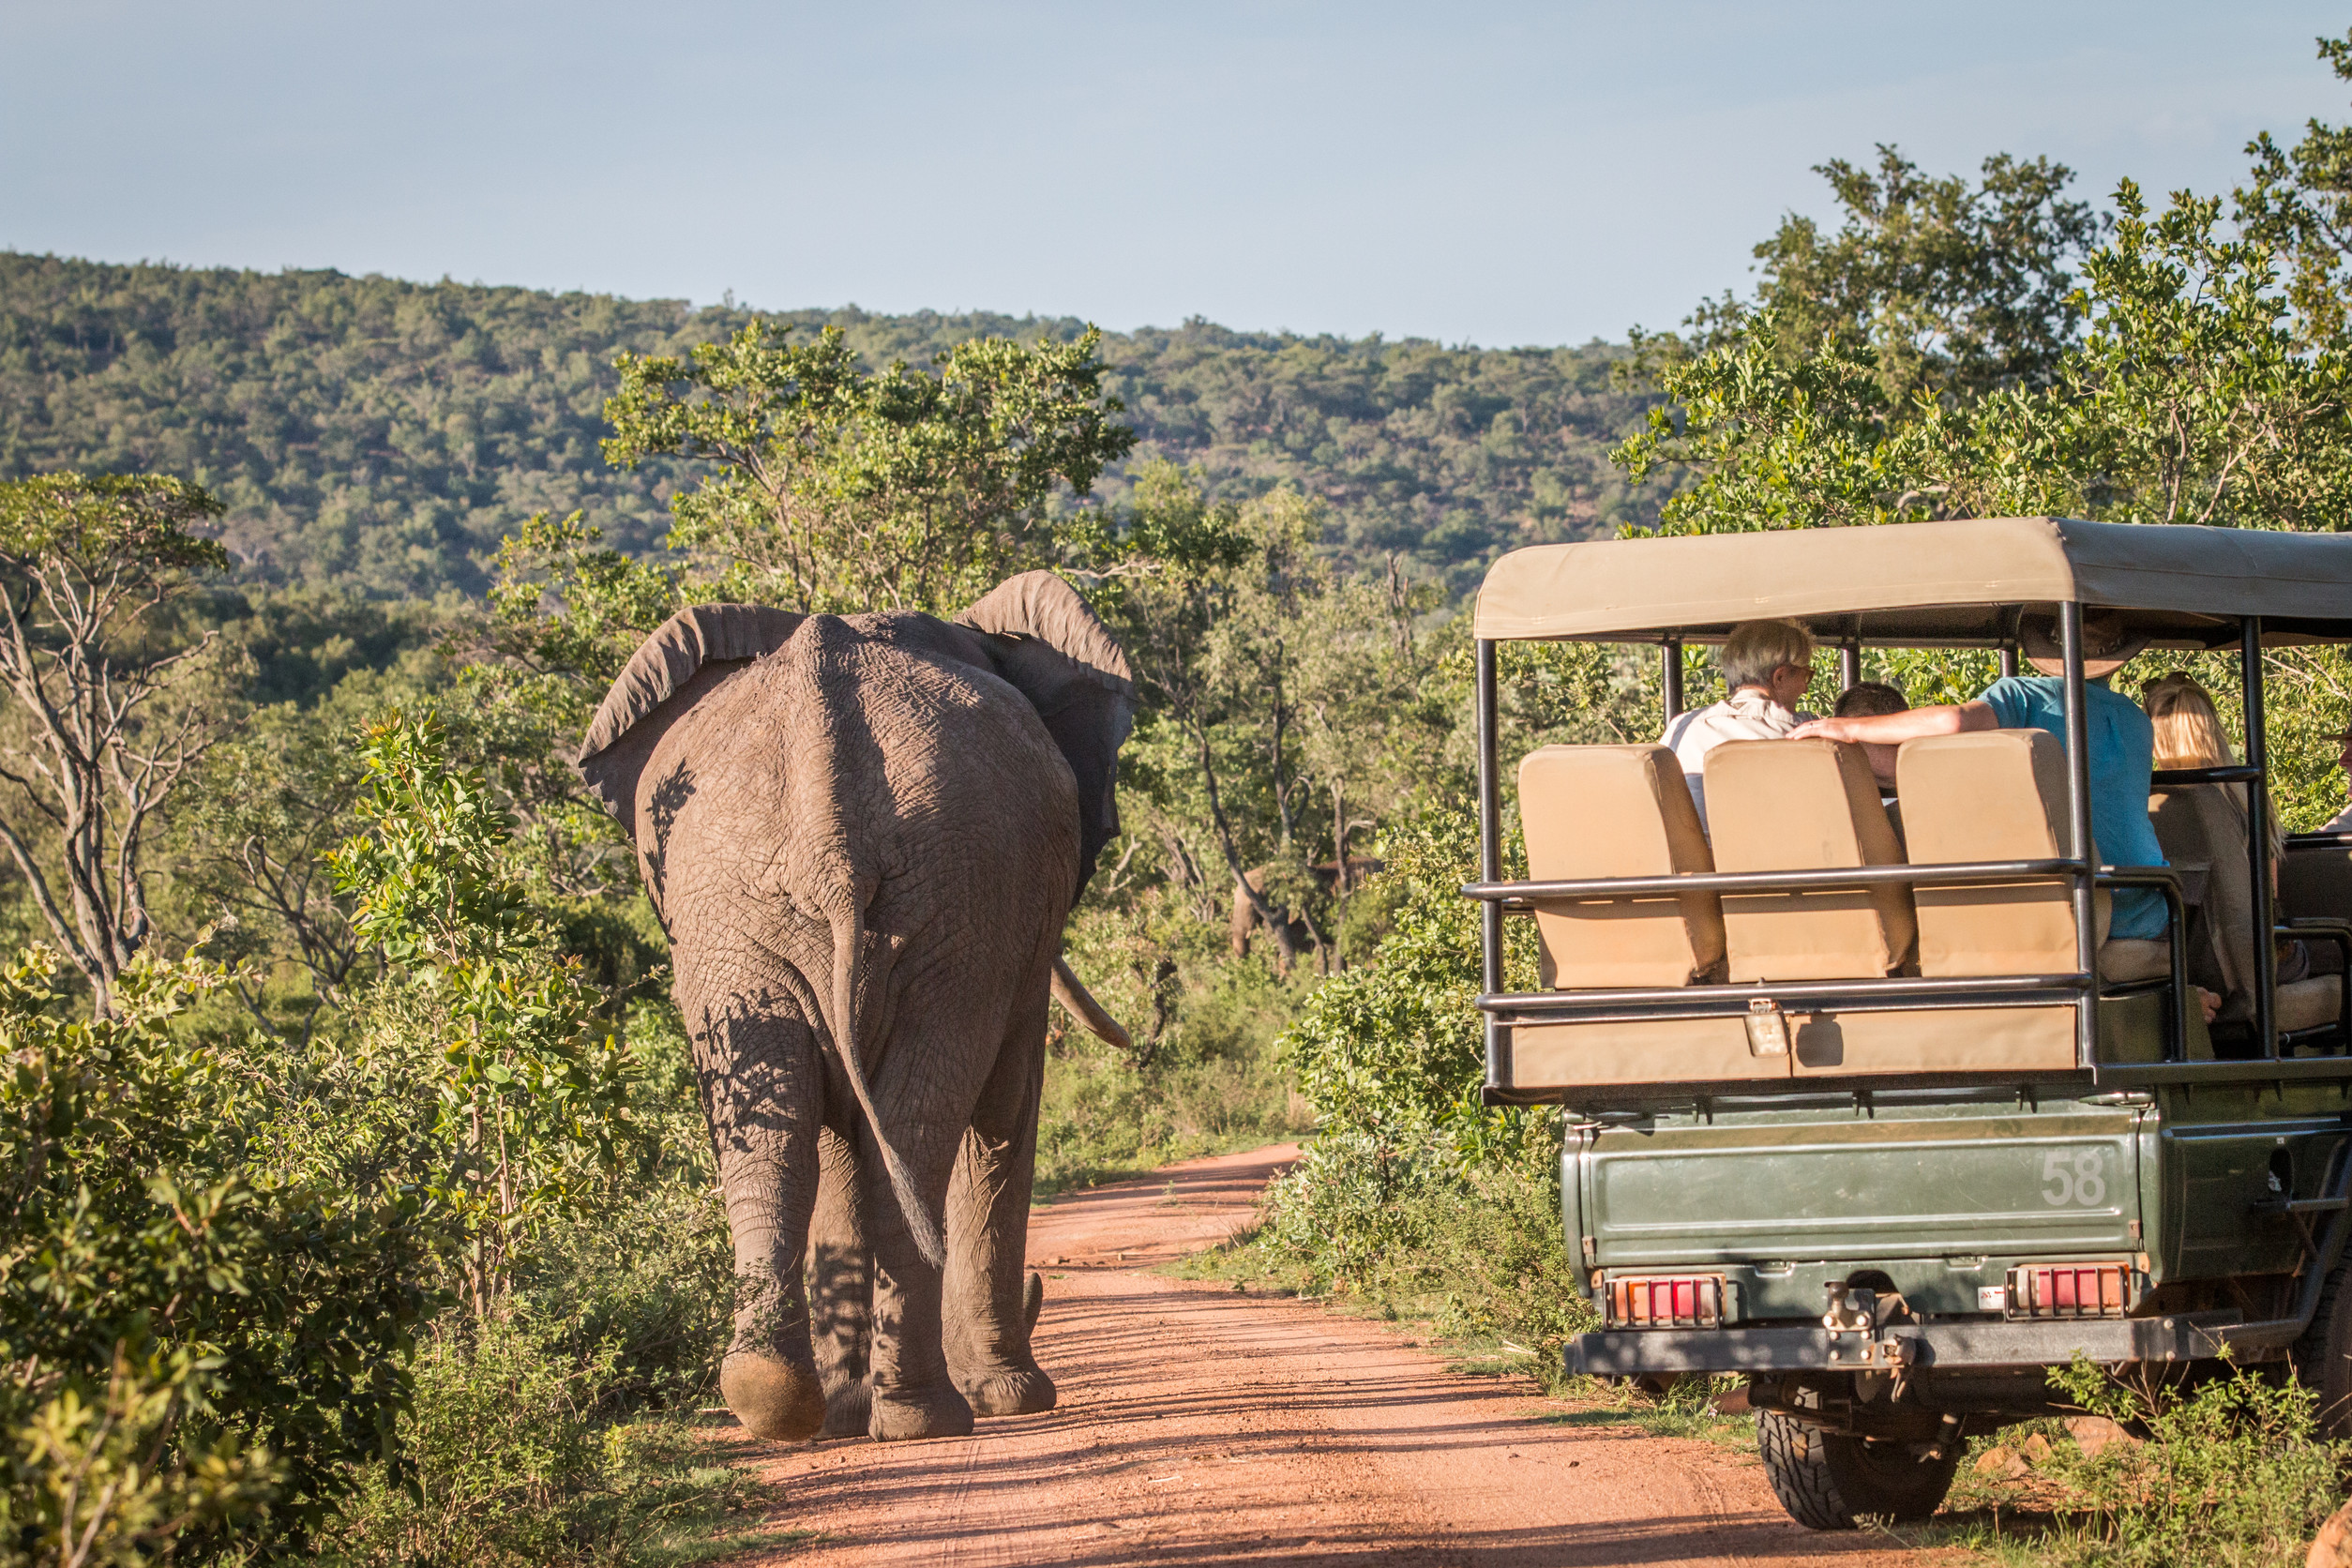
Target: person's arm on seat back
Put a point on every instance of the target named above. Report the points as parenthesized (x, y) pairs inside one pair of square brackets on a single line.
[(1909, 725)]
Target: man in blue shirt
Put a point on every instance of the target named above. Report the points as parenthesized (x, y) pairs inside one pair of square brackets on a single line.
[(2123, 745)]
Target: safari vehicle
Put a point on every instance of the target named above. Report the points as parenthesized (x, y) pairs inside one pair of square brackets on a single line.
[(1889, 1128)]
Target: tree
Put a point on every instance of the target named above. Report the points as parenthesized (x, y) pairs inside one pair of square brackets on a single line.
[(533, 1103), (110, 706), (2298, 202), (838, 490), (1283, 682), (2188, 399), (1951, 290)]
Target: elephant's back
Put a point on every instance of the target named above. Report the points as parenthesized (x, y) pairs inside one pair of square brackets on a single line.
[(931, 771)]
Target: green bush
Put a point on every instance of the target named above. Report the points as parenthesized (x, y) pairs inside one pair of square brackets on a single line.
[(196, 1342), (1412, 1197), (516, 1461), (2232, 1472)]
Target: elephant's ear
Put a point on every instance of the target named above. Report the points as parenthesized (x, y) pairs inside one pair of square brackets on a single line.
[(1051, 646), (684, 657)]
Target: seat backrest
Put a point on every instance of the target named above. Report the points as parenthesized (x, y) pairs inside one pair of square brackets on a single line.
[(1801, 806), (2316, 881), (2199, 824), (1618, 811), (1991, 794)]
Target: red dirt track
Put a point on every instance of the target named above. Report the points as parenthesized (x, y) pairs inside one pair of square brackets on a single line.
[(1201, 1426)]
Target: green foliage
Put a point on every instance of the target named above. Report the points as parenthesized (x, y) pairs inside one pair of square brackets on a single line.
[(565, 602), (841, 490), (381, 437), (1203, 1077), (1951, 291), (532, 1103), (195, 1338), (97, 526), (1778, 439), (516, 1464), (2190, 400), (2231, 1472), (2298, 202)]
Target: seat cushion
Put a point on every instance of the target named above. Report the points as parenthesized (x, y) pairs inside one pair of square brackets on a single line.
[(1618, 811), (2311, 1004), (2128, 958)]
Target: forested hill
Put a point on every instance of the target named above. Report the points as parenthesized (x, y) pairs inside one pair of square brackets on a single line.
[(382, 436)]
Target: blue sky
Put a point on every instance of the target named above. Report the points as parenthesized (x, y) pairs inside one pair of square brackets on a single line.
[(1494, 173)]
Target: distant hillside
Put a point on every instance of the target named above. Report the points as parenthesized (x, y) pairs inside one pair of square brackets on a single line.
[(382, 436)]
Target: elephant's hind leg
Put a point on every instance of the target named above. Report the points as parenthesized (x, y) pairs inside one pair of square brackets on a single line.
[(991, 1308), (841, 1287), (910, 1388), (760, 1079)]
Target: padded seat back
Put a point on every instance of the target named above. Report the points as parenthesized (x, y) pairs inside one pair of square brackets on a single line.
[(1618, 811), (2197, 826), (2206, 824), (1802, 805), (1991, 795), (2315, 881)]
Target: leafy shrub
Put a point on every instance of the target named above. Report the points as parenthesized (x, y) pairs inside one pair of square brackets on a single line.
[(2233, 1473), (516, 1463), (194, 1340), (1414, 1196)]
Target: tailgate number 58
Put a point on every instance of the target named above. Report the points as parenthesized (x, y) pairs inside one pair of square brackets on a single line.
[(2076, 1178)]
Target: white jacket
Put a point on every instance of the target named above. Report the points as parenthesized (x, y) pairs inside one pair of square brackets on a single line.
[(1746, 715)]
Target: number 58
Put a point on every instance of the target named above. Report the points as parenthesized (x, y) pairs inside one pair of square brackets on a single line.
[(2085, 1184)]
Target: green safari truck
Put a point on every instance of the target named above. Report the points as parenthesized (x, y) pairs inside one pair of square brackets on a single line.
[(1864, 1098)]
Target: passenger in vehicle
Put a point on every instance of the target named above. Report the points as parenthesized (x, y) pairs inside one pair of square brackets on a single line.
[(2123, 745), (2341, 821), (2188, 734), (1767, 666), (1868, 700)]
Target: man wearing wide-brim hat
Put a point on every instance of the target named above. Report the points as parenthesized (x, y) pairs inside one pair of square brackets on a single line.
[(2122, 744)]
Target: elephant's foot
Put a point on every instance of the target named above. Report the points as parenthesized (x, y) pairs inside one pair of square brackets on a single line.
[(849, 1411), (772, 1397), (901, 1414), (1020, 1391), (1032, 1301)]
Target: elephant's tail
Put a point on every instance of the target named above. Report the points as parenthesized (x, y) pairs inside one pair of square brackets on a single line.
[(927, 1240)]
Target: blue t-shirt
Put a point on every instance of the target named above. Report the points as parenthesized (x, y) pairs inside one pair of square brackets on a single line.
[(2122, 752)]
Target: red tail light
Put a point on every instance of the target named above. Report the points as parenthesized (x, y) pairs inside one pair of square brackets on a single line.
[(1665, 1301), (2069, 1290)]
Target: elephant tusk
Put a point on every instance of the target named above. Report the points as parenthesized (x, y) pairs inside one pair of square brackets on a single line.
[(1083, 1007)]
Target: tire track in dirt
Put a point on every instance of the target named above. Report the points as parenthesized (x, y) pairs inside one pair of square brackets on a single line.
[(1202, 1426)]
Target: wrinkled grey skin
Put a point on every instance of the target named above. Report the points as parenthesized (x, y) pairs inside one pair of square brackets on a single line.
[(863, 834)]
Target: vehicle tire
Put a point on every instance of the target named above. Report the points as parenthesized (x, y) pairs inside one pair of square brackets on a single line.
[(1831, 1480), (2323, 1356)]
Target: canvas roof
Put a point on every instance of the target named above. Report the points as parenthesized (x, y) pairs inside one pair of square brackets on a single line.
[(1932, 581)]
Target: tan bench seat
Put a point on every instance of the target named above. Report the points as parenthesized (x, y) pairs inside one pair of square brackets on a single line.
[(1624, 812), (1618, 811), (1804, 806), (2196, 824)]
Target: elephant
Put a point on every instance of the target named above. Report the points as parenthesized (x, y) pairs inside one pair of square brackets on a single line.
[(863, 835)]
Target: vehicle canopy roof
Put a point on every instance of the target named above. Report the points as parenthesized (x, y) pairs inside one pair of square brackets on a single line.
[(1960, 583)]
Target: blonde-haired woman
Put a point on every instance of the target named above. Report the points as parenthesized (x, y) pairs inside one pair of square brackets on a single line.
[(2190, 734)]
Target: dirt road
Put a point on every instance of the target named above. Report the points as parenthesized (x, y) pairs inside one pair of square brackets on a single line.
[(1201, 1426)]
